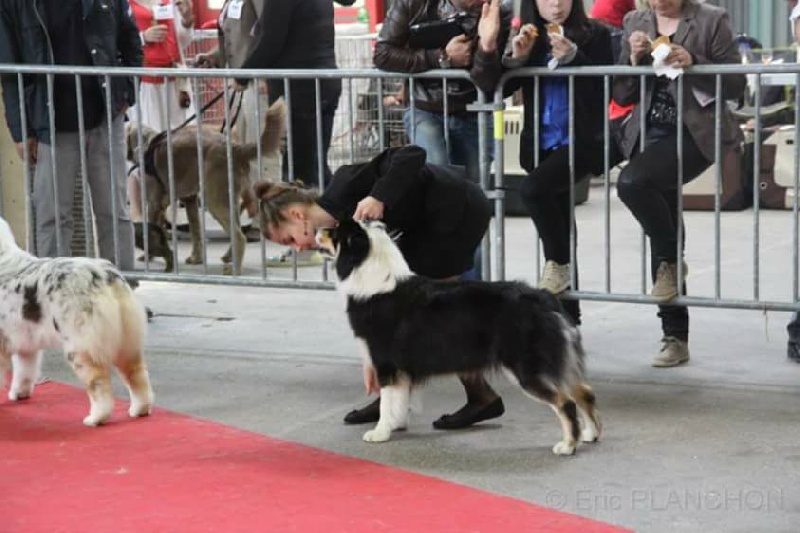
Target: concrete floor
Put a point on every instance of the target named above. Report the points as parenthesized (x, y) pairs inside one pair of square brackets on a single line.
[(710, 447)]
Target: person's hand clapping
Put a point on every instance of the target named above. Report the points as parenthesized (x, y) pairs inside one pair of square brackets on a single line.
[(489, 26)]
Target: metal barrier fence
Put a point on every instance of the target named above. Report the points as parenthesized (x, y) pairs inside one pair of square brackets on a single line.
[(492, 177), (355, 135)]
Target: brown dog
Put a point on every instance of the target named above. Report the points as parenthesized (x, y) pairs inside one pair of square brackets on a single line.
[(215, 173)]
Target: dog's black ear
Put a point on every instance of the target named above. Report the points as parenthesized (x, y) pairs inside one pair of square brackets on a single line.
[(353, 244)]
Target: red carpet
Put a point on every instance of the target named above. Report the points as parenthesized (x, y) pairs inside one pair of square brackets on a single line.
[(171, 473)]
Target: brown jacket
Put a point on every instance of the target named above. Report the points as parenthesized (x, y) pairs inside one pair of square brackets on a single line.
[(704, 31), (235, 34)]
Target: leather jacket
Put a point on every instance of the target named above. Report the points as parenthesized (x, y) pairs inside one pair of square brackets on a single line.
[(111, 37), (393, 54)]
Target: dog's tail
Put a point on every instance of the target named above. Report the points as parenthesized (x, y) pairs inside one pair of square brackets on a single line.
[(273, 135), (271, 143)]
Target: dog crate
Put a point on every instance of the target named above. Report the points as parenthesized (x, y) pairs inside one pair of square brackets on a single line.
[(513, 173)]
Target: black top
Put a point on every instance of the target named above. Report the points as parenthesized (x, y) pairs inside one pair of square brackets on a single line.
[(64, 22), (440, 213), (295, 34), (594, 48), (414, 193), (109, 34)]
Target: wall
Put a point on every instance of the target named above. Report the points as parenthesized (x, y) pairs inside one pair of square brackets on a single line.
[(12, 187)]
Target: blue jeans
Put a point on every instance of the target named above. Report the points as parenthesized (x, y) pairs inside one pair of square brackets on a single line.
[(428, 133)]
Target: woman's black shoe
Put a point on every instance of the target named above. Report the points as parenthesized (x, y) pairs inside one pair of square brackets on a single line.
[(365, 415), (471, 414)]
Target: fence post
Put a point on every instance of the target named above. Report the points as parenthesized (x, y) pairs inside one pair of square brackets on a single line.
[(499, 244)]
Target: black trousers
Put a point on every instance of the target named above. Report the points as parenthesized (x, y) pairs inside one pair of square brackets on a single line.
[(648, 186), (305, 152), (545, 194)]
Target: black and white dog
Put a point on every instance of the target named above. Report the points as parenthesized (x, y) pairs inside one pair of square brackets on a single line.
[(83, 305), (414, 328)]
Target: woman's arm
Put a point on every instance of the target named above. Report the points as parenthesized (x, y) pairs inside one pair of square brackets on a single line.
[(625, 89), (723, 49), (398, 170)]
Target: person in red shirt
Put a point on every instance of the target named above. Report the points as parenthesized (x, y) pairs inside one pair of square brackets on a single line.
[(611, 13), (165, 29)]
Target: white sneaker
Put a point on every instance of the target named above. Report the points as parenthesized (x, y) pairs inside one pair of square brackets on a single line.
[(555, 278), (674, 352), (665, 288)]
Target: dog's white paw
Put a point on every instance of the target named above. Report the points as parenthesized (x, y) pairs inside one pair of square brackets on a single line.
[(98, 416), (15, 396), (564, 448), (94, 420), (377, 435), (136, 411), (21, 391), (589, 434)]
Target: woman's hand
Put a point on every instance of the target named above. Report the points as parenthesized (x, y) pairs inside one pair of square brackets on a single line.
[(370, 379), (522, 43), (369, 209), (155, 34), (33, 150), (489, 26), (640, 46), (679, 57), (562, 48)]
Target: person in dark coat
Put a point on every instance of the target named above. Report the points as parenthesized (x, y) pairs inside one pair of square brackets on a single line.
[(95, 33), (299, 34), (556, 34), (440, 215)]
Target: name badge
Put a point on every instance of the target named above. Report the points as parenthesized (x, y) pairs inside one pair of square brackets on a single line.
[(164, 12), (235, 9)]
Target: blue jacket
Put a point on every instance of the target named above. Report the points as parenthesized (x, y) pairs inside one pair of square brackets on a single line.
[(111, 37)]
